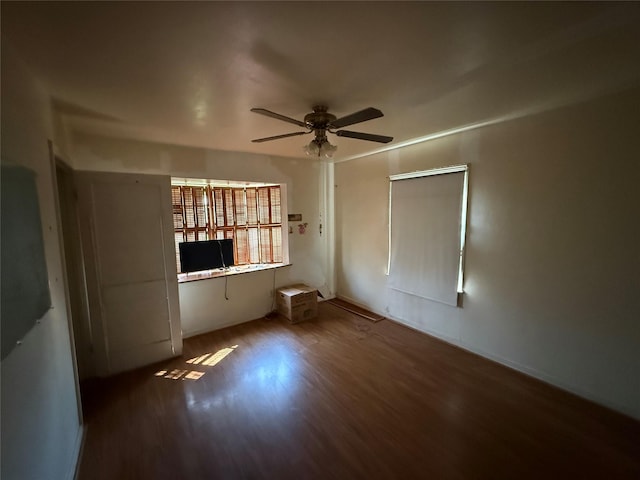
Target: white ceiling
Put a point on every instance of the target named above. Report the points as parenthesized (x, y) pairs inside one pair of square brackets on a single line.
[(188, 73)]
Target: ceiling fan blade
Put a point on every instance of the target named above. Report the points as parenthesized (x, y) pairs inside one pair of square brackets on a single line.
[(271, 114), (276, 137), (361, 116), (364, 136)]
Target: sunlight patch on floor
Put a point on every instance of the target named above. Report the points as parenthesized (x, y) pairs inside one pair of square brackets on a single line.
[(211, 359), (208, 360), (177, 374)]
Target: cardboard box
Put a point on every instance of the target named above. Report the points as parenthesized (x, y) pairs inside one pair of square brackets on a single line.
[(303, 312), (297, 302)]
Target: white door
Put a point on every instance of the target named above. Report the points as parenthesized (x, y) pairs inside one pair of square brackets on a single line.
[(132, 282)]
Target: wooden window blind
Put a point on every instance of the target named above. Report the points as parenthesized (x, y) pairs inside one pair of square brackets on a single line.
[(251, 216), (263, 205), (276, 244), (219, 207), (229, 220), (252, 206), (265, 244), (274, 203), (241, 246), (178, 211), (253, 245), (240, 205)]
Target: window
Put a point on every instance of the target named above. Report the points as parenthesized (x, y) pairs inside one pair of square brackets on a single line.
[(427, 233), (251, 216)]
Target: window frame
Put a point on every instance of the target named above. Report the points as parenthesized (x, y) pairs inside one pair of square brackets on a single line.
[(226, 213)]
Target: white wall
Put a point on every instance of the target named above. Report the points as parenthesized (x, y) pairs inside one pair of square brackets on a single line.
[(41, 432), (202, 303), (210, 304), (552, 244)]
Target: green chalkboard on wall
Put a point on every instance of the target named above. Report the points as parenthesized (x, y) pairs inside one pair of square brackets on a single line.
[(25, 284)]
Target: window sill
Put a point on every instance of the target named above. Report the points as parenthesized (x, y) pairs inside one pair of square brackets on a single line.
[(237, 270)]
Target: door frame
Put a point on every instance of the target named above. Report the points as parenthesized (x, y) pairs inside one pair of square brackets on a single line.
[(54, 158)]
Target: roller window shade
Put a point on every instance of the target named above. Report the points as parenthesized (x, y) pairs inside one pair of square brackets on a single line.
[(425, 236)]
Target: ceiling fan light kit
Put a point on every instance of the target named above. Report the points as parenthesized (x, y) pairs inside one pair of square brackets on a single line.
[(321, 122), (320, 148)]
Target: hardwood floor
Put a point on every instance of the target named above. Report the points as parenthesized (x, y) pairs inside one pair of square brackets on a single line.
[(341, 397)]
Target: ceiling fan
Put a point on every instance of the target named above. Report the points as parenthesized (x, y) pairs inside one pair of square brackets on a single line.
[(320, 122)]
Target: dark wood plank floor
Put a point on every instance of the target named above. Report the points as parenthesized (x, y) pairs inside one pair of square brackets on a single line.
[(341, 397)]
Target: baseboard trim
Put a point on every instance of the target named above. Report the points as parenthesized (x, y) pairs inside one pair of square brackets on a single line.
[(219, 326), (528, 371), (361, 305)]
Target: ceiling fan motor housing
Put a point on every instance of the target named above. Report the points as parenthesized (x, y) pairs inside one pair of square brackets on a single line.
[(319, 119)]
